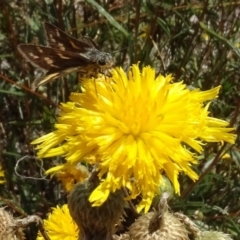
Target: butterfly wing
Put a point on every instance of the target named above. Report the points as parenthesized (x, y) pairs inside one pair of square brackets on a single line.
[(50, 59), (60, 40), (54, 62), (51, 76)]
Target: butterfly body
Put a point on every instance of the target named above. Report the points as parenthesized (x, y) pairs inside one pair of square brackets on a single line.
[(65, 55)]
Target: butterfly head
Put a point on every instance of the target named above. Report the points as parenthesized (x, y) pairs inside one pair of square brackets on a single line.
[(105, 61)]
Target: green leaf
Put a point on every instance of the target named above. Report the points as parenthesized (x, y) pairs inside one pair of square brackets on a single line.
[(111, 20), (223, 39), (20, 94)]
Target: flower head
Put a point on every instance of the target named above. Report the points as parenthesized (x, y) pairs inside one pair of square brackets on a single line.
[(60, 225), (137, 127), (2, 180), (70, 174)]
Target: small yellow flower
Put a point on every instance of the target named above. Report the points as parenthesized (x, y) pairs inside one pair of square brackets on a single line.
[(205, 37), (70, 174), (60, 225), (137, 127), (144, 31), (2, 177)]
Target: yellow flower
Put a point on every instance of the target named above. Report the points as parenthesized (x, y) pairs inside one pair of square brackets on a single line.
[(2, 180), (205, 37), (144, 31), (137, 126), (60, 225), (70, 174)]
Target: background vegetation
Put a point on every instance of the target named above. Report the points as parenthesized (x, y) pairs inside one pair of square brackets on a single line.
[(197, 41)]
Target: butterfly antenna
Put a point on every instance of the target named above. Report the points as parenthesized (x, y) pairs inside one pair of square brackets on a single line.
[(119, 50)]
